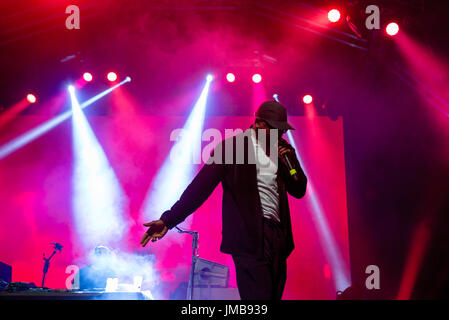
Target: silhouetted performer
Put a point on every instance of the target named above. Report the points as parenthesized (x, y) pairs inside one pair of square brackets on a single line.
[(256, 217), (94, 276)]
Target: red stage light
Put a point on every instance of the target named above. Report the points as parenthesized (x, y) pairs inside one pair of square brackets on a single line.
[(112, 76), (87, 76), (230, 77), (307, 99), (333, 15), (257, 78), (31, 98), (392, 29)]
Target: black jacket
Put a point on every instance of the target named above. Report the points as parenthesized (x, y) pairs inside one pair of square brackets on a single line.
[(242, 213)]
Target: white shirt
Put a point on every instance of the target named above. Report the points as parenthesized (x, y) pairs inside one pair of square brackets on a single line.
[(266, 180)]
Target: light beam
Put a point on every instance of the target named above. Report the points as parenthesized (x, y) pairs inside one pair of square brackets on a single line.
[(178, 168), (97, 200), (40, 130), (337, 264)]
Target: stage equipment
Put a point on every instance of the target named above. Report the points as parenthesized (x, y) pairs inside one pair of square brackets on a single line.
[(57, 247), (63, 294), (353, 292), (208, 273), (353, 27), (87, 76), (207, 280), (288, 163), (307, 99), (392, 29), (31, 98), (112, 76), (5, 272), (31, 135), (215, 293), (21, 286), (333, 15), (290, 168), (211, 282), (230, 77), (194, 259), (257, 78)]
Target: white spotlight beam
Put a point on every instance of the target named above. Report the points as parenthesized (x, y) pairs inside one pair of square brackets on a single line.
[(102, 94), (336, 262), (177, 170), (29, 136), (97, 199), (332, 252)]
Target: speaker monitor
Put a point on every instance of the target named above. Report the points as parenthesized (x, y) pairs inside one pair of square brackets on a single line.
[(215, 293), (211, 282), (208, 273)]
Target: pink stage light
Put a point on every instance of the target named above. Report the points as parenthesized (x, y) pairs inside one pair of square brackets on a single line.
[(333, 15), (112, 76), (230, 77), (87, 76), (31, 98), (307, 99), (392, 29), (257, 78)]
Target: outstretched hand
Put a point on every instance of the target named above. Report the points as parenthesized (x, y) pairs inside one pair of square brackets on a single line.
[(157, 230)]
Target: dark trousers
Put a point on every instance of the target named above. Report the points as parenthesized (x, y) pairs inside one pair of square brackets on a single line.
[(264, 278)]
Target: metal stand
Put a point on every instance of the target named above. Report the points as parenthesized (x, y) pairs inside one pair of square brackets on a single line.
[(194, 258), (57, 247)]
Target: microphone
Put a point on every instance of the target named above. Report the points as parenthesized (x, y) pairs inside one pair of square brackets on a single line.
[(290, 168)]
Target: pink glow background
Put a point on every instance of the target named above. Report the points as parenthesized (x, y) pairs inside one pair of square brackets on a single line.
[(35, 200)]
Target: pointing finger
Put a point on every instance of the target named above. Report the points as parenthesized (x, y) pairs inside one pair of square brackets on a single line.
[(145, 236), (146, 241)]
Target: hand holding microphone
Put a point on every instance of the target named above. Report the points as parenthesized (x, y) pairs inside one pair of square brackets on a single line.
[(285, 153)]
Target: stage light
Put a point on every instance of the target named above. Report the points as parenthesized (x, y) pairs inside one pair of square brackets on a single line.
[(333, 15), (31, 98), (230, 77), (307, 99), (40, 130), (87, 76), (338, 267), (112, 76), (128, 79), (98, 200), (209, 77), (8, 114), (257, 78), (392, 29), (276, 97)]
